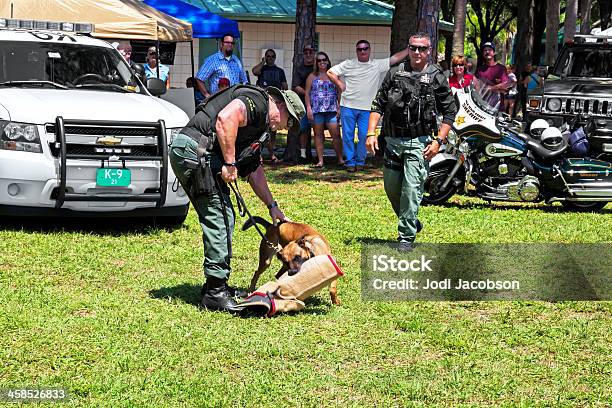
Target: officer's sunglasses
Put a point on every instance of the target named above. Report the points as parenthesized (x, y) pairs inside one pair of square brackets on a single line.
[(363, 49), (421, 48)]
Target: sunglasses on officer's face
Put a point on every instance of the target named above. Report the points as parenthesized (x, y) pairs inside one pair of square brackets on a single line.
[(363, 49), (421, 48)]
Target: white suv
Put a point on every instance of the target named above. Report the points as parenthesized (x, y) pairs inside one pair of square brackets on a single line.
[(79, 133)]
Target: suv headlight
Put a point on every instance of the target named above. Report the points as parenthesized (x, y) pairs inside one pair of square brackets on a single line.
[(553, 104), (19, 137), (172, 133)]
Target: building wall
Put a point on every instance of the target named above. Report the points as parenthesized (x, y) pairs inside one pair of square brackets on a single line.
[(337, 41)]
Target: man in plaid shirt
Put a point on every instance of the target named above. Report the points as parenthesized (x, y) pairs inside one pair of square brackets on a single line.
[(222, 64)]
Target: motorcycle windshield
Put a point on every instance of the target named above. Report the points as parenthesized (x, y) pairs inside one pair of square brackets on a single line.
[(485, 98)]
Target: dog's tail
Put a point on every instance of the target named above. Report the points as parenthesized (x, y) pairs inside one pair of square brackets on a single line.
[(255, 220)]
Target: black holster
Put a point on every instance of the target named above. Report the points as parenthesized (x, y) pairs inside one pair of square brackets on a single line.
[(393, 161), (202, 181)]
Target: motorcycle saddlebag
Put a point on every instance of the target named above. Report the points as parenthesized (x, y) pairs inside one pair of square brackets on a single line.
[(586, 170)]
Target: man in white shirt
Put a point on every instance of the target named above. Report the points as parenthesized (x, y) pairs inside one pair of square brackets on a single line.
[(359, 80)]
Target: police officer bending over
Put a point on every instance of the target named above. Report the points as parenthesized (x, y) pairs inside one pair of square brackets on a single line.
[(221, 142), (410, 97)]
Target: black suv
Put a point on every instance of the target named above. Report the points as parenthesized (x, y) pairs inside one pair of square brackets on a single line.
[(579, 84)]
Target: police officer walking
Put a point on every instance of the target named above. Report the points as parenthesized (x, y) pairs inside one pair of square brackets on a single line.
[(221, 142), (410, 97)]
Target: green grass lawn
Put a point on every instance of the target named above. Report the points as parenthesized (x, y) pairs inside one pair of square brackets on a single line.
[(108, 312)]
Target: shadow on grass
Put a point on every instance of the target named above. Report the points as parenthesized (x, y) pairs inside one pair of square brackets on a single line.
[(93, 226), (331, 173), (190, 294), (187, 293), (502, 205), (369, 241)]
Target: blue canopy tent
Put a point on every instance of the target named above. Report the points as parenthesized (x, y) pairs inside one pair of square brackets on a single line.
[(204, 23)]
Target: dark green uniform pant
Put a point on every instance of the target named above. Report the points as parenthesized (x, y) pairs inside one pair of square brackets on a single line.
[(404, 186), (210, 209)]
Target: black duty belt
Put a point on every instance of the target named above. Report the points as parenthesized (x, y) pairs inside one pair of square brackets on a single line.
[(410, 132), (192, 133)]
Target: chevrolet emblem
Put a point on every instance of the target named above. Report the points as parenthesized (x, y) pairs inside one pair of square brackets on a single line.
[(108, 141)]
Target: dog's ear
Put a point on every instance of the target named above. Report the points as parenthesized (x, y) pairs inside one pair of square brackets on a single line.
[(307, 245)]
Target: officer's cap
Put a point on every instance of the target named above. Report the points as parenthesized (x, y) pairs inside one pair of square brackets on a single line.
[(294, 104)]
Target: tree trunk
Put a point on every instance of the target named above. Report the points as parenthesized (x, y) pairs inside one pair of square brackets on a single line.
[(552, 27), (524, 44), (428, 22), (403, 23), (585, 16), (305, 26), (459, 33), (539, 25), (524, 35), (448, 47), (605, 11), (571, 14)]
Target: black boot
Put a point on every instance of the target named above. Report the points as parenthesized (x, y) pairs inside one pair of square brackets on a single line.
[(215, 296), (237, 292)]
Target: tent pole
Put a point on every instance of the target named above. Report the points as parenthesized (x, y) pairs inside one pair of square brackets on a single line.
[(192, 62)]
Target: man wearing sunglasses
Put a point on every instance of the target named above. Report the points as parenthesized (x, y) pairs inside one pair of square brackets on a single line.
[(359, 79), (222, 64), (219, 144), (410, 98)]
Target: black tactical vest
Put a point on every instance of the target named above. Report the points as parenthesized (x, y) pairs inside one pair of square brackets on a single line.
[(205, 118), (411, 107)]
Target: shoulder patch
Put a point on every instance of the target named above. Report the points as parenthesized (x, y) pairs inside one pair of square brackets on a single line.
[(250, 104)]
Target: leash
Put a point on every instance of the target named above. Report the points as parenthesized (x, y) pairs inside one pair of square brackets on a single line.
[(242, 210)]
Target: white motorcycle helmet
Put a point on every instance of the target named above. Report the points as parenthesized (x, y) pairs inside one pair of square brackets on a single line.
[(537, 127), (551, 138)]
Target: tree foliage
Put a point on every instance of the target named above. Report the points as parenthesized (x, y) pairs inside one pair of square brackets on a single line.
[(488, 18)]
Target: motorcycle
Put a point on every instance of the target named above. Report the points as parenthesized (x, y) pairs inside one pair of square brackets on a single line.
[(491, 156)]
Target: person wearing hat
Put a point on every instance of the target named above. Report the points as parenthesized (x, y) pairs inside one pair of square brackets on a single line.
[(494, 75), (220, 143)]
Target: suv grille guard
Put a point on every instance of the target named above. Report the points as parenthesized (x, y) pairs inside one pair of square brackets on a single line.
[(162, 147)]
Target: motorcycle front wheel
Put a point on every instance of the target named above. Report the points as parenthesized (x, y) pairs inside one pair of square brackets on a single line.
[(583, 206), (434, 194)]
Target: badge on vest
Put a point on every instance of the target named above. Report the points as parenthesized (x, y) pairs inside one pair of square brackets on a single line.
[(425, 79)]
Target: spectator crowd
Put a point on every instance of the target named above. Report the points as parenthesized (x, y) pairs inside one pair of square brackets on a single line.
[(338, 97)]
